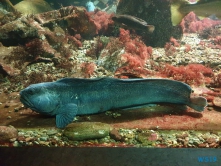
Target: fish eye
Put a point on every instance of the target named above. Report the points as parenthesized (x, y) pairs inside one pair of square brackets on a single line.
[(30, 91)]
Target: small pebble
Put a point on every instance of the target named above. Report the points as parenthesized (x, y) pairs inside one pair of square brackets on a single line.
[(211, 140), (36, 142), (29, 139), (114, 134), (29, 132), (16, 144), (51, 132), (43, 138), (12, 139), (44, 143)]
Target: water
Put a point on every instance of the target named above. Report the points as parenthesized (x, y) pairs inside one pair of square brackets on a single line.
[(70, 42)]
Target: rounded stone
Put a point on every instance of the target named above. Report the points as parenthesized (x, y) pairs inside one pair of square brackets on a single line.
[(86, 130), (147, 138), (7, 133), (114, 134), (217, 101)]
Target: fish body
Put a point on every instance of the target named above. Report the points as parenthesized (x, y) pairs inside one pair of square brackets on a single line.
[(133, 22), (178, 10), (69, 97), (33, 7)]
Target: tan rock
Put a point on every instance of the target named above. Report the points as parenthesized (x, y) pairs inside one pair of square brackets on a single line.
[(7, 133), (217, 101), (86, 130)]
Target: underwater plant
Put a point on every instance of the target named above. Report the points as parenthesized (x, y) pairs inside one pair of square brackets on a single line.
[(102, 21), (88, 69), (18, 57), (217, 40), (135, 56), (170, 47), (34, 48), (64, 63), (192, 24), (75, 40), (96, 48), (217, 80), (192, 74)]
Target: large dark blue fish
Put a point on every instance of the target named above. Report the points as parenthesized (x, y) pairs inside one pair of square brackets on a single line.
[(69, 97)]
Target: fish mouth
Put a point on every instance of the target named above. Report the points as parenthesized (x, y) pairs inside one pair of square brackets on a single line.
[(26, 102)]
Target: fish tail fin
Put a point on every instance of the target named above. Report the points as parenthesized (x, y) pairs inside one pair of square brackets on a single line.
[(150, 28), (198, 103), (176, 15)]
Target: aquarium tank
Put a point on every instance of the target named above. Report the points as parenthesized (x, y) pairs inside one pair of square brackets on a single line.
[(110, 73)]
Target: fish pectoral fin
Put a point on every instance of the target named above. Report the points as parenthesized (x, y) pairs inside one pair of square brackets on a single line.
[(66, 115)]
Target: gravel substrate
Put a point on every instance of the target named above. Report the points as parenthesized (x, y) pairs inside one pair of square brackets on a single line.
[(120, 137), (200, 51)]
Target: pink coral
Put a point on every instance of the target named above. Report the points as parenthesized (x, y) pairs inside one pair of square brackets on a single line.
[(76, 40), (102, 21), (170, 47), (135, 56), (218, 40), (191, 23), (187, 48), (135, 47), (88, 69), (124, 35), (217, 80), (195, 74), (174, 42)]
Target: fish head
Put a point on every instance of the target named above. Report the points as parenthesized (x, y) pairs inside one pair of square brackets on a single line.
[(40, 98)]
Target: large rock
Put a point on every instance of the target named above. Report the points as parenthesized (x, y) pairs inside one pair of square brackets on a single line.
[(7, 133), (86, 130), (74, 19), (154, 12)]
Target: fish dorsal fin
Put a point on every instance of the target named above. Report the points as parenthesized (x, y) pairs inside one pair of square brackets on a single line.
[(136, 19), (141, 20), (77, 80), (66, 114)]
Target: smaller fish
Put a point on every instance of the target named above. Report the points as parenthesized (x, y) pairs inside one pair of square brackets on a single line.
[(132, 22), (179, 9)]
